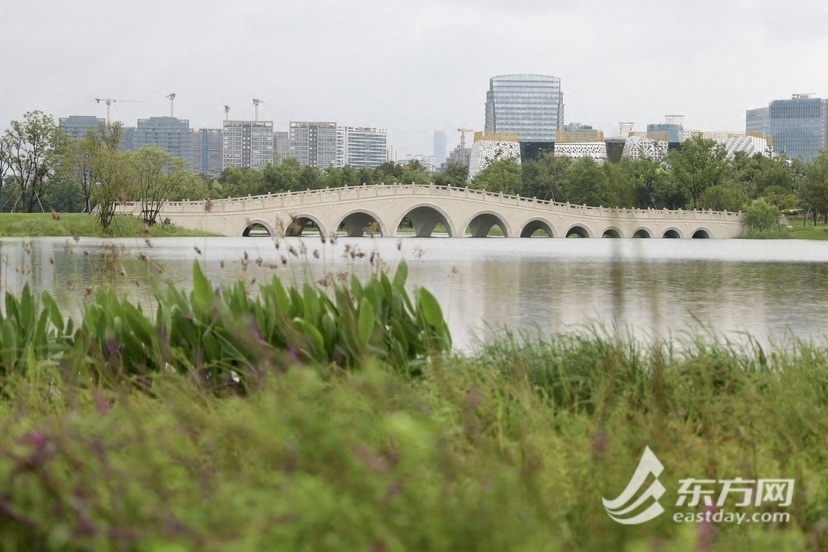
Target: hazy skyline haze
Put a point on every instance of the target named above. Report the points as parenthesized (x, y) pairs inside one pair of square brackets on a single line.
[(410, 69)]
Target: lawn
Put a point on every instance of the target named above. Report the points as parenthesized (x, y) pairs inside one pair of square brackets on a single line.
[(30, 225), (809, 231)]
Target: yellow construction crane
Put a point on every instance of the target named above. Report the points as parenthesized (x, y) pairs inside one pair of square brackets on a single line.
[(463, 132), (109, 102)]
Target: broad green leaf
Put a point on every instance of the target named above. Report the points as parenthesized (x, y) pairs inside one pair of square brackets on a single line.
[(315, 349), (202, 294), (401, 275), (366, 321), (311, 304), (54, 312), (430, 308), (356, 287)]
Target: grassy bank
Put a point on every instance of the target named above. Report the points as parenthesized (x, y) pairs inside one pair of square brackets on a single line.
[(336, 420), (809, 231), (30, 225)]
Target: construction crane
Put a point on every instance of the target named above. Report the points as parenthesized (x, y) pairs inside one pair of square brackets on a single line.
[(109, 102), (463, 132), (171, 97), (256, 103), (226, 112)]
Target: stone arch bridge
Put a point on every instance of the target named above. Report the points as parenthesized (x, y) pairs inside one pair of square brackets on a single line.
[(381, 210)]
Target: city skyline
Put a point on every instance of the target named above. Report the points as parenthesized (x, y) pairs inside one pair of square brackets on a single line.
[(408, 70)]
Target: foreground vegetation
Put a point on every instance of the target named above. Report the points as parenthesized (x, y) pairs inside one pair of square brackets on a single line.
[(335, 417)]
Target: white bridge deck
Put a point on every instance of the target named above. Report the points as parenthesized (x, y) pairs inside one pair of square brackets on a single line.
[(380, 209)]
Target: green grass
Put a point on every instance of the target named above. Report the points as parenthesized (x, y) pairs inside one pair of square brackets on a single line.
[(809, 231), (29, 225)]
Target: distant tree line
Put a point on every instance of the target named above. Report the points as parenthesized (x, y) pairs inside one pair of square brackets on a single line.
[(42, 169)]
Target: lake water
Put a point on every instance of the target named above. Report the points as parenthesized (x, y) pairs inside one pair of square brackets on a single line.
[(770, 290)]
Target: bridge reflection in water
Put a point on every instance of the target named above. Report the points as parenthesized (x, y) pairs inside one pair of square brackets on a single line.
[(391, 210)]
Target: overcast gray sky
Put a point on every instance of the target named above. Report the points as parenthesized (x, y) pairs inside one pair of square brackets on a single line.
[(410, 67)]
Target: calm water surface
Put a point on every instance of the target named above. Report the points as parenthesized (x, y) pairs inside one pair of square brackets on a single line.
[(770, 290)]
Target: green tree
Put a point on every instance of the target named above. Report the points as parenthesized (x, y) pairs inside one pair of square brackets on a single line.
[(79, 163), (620, 188), (4, 165), (761, 215), (310, 178), (755, 173), (64, 196), (283, 177), (188, 185), (586, 183), (112, 172), (817, 175), (645, 179), (31, 153), (783, 198), (414, 172), (699, 164), (724, 197), (455, 175), (156, 176), (239, 182), (542, 178), (337, 177), (500, 175), (388, 173), (365, 176)]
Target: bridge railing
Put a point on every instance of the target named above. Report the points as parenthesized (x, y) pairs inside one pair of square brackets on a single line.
[(288, 200)]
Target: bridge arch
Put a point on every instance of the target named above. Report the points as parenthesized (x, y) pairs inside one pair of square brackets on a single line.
[(431, 206), (481, 223), (579, 231), (298, 223), (642, 232), (612, 232), (424, 217), (253, 223), (535, 224), (357, 220)]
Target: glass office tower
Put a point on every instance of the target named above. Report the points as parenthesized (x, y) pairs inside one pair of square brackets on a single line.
[(529, 105), (799, 126)]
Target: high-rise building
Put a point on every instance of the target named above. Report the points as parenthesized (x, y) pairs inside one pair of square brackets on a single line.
[(247, 144), (758, 120), (171, 134), (76, 126), (361, 147), (529, 105), (208, 153), (314, 143), (672, 127), (281, 146), (440, 146), (799, 126)]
